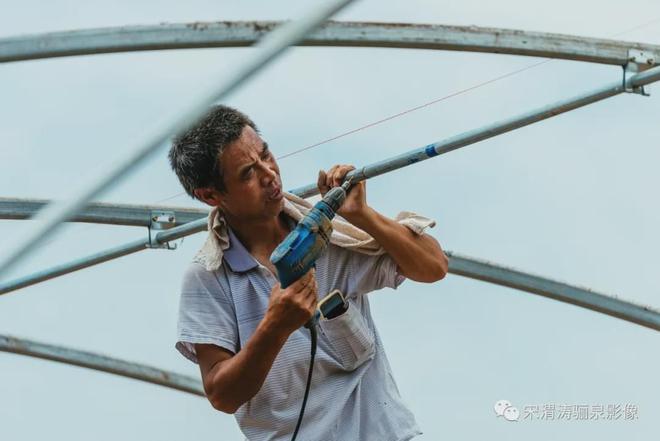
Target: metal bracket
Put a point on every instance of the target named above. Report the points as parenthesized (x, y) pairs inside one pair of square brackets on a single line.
[(642, 58), (161, 220), (638, 61)]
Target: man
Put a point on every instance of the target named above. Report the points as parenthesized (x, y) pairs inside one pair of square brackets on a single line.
[(244, 330)]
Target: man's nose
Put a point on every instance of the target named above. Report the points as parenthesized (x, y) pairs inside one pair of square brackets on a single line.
[(269, 174)]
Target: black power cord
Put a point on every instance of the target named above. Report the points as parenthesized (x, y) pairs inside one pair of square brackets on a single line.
[(331, 306), (312, 330)]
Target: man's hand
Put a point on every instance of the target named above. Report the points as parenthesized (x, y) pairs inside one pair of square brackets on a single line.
[(292, 307), (355, 206)]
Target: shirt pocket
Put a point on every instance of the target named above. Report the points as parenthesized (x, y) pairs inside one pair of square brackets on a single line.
[(350, 337)]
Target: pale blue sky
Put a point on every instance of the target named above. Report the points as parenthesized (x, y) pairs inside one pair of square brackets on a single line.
[(573, 198)]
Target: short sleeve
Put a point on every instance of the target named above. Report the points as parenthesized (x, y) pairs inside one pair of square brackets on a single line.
[(368, 273), (206, 313)]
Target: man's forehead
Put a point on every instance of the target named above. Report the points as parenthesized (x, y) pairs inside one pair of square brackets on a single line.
[(244, 150), (249, 137), (248, 141)]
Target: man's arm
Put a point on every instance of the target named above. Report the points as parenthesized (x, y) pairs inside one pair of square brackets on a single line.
[(419, 257), (231, 380)]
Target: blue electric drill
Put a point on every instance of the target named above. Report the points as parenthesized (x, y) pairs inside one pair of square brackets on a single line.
[(299, 250)]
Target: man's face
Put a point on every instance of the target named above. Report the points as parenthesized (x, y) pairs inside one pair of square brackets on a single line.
[(252, 179)]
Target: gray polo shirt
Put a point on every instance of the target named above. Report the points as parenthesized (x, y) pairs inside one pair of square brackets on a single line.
[(353, 395)]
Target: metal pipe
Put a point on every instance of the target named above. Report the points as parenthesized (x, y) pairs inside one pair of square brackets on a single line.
[(101, 363), (366, 172), (102, 213), (489, 131), (458, 264), (75, 265), (642, 79), (342, 34), (159, 238), (182, 231), (563, 292), (142, 147)]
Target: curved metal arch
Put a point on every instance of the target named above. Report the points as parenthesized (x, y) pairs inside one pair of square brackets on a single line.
[(339, 34), (101, 363), (563, 292), (458, 264)]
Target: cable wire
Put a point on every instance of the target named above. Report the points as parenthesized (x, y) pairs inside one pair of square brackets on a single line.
[(412, 109), (312, 331)]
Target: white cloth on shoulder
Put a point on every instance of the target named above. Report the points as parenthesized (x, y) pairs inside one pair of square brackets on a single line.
[(344, 234)]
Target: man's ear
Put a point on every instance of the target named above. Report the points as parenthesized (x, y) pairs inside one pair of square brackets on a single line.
[(210, 196)]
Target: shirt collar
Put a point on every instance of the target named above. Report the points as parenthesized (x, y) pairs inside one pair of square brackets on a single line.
[(237, 257)]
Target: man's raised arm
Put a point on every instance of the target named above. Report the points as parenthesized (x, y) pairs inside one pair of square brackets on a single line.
[(418, 256)]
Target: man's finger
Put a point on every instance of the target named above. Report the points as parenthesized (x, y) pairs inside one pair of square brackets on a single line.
[(320, 183), (276, 287), (312, 294), (336, 177), (303, 281), (312, 304), (341, 173), (308, 277), (308, 292), (313, 289), (329, 181)]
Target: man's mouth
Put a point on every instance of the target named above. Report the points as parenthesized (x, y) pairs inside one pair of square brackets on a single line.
[(275, 194)]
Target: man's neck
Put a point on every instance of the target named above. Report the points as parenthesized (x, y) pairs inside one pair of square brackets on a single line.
[(260, 237)]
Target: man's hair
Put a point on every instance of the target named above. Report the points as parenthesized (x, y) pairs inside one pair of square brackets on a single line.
[(195, 154)]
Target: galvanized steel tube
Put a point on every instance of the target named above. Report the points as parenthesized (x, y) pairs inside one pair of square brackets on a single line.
[(338, 34), (552, 289), (491, 130), (75, 265), (101, 213)]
